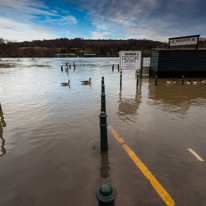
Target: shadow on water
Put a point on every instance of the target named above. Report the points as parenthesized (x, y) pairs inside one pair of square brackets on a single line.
[(129, 106), (2, 124), (104, 164)]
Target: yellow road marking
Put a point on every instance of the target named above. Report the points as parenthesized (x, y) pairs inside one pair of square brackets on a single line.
[(157, 186), (196, 155), (119, 139)]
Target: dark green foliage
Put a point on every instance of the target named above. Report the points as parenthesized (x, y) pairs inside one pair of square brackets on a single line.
[(79, 46)]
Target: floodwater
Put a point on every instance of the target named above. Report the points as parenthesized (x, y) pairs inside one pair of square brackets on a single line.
[(50, 134)]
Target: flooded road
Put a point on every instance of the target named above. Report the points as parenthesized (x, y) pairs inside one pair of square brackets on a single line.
[(49, 134)]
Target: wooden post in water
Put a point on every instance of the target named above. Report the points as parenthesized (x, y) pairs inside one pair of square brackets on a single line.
[(70, 66), (62, 68), (118, 67)]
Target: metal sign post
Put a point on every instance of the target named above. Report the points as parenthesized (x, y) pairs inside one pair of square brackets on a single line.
[(129, 60), (120, 79), (141, 64), (137, 77)]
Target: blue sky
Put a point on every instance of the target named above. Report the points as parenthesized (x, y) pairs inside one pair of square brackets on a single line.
[(22, 20)]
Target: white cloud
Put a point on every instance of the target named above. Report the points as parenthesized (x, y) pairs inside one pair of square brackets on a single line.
[(100, 25), (65, 20), (151, 19), (25, 6), (123, 21), (16, 23), (62, 10), (99, 35), (68, 20), (67, 32), (54, 11), (13, 30)]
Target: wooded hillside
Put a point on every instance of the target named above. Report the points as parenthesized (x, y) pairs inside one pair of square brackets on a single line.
[(78, 47)]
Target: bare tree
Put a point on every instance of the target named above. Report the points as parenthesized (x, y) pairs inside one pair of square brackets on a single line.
[(2, 46)]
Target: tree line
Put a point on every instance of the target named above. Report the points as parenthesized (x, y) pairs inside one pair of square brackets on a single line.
[(78, 47)]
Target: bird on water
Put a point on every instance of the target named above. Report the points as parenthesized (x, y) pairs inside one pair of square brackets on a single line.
[(87, 82), (187, 82), (66, 84), (198, 82), (171, 81)]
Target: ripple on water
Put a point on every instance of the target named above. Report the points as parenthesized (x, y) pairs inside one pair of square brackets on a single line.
[(47, 124)]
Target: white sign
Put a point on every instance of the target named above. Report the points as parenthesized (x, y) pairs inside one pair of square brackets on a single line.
[(130, 60), (184, 41)]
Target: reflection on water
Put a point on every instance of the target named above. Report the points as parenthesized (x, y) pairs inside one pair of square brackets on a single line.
[(104, 164), (129, 106), (177, 98), (2, 124)]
